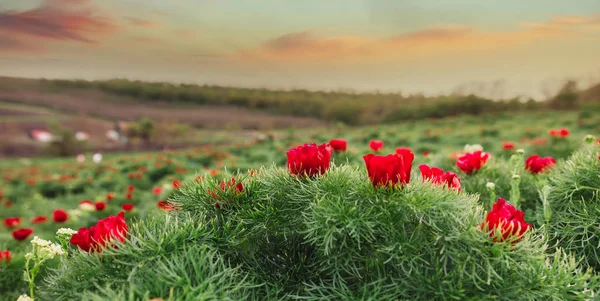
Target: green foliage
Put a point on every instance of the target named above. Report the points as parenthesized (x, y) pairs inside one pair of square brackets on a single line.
[(142, 129), (163, 257), (337, 106), (575, 203), (330, 237)]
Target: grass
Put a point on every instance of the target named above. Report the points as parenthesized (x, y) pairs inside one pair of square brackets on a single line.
[(39, 186)]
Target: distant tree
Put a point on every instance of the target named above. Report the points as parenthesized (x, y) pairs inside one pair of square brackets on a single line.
[(566, 98)]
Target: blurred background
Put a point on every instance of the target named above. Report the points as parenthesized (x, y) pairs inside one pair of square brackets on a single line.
[(129, 75)]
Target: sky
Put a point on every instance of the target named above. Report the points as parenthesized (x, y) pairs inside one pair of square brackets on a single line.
[(492, 48)]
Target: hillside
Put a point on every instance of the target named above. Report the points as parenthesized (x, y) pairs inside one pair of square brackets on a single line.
[(249, 108)]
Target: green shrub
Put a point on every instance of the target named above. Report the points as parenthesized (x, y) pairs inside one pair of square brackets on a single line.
[(575, 205), (331, 237)]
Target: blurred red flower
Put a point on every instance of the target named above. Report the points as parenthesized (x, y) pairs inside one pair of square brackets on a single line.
[(176, 184), (100, 206), (11, 222), (338, 145), (39, 219), (536, 164), (5, 256), (508, 146), (164, 205), (127, 207), (60, 216), (309, 159), (22, 233), (471, 162), (376, 145)]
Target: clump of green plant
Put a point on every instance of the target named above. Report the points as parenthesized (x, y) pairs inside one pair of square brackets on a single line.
[(272, 235), (574, 199)]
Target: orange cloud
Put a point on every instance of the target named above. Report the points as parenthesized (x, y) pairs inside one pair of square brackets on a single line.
[(307, 47), (58, 20)]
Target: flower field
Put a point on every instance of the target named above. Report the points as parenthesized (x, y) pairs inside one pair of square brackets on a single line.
[(499, 207)]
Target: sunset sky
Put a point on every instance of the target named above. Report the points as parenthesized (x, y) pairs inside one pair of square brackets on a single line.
[(495, 48)]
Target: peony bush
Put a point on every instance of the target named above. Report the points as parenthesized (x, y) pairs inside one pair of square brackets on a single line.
[(330, 236)]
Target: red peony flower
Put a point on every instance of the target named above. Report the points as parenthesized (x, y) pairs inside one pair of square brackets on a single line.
[(129, 196), (131, 188), (157, 190), (562, 133), (376, 145), (389, 170), (176, 184), (471, 162), (5, 256), (39, 219), (127, 207), (338, 145), (100, 206), (536, 164), (401, 150), (11, 222), (22, 233), (102, 234), (508, 146), (507, 219), (110, 196), (426, 154), (309, 159), (437, 176), (60, 216)]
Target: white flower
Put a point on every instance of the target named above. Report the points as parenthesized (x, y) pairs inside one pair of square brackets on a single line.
[(80, 158), (24, 298), (520, 151), (87, 206), (97, 158), (49, 252), (29, 256), (38, 242), (473, 148), (66, 232), (490, 185)]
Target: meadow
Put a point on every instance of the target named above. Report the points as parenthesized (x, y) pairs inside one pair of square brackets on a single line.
[(256, 219)]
